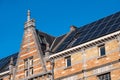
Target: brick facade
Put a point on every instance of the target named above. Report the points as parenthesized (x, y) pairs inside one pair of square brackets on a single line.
[(37, 62)]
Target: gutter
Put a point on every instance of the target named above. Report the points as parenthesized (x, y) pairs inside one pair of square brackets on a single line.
[(3, 73), (84, 44)]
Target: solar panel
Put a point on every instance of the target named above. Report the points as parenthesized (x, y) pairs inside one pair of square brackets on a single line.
[(67, 41), (5, 62), (118, 20), (116, 15), (96, 29), (106, 19), (70, 36), (63, 46)]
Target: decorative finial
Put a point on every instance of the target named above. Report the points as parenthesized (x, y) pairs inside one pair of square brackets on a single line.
[(11, 61), (28, 15), (30, 22), (47, 46)]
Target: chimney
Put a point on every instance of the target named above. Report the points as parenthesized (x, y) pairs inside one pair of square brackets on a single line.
[(72, 28)]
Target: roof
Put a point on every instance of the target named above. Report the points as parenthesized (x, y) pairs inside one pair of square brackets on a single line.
[(43, 39), (99, 28), (49, 38), (4, 62), (56, 42), (92, 31)]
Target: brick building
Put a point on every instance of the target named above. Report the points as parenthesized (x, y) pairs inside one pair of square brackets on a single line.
[(91, 52)]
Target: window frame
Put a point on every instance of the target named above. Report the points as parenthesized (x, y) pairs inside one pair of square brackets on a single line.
[(100, 50), (68, 58), (104, 76), (26, 73), (28, 65), (31, 71)]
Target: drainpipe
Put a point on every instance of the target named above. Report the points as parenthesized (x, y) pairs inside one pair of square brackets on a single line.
[(118, 39), (47, 53), (84, 64), (52, 65), (11, 68)]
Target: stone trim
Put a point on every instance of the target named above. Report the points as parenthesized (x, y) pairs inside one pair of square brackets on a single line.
[(3, 73), (37, 75), (117, 61), (28, 44), (39, 50), (36, 59), (28, 53), (94, 57), (21, 65), (28, 35), (21, 74)]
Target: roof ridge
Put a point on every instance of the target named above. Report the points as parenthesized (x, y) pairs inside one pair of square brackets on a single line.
[(45, 33)]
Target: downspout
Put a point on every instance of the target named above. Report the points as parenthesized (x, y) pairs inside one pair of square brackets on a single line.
[(52, 66), (84, 64), (11, 68)]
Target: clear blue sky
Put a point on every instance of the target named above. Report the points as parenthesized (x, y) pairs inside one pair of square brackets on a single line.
[(52, 16)]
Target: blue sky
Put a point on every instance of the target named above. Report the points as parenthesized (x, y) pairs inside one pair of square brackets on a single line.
[(52, 16)]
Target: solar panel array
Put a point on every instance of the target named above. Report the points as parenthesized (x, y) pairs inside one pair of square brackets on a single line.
[(4, 62), (66, 42), (93, 30)]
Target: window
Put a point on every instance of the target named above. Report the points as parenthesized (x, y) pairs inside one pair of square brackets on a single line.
[(28, 66), (31, 71), (68, 61), (31, 62), (26, 63), (26, 73), (102, 50), (104, 77)]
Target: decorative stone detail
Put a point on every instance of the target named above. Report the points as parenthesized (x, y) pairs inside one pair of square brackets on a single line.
[(102, 69), (31, 23)]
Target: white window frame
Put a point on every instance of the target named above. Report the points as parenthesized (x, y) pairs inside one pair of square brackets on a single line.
[(104, 76), (100, 46), (28, 66), (66, 60)]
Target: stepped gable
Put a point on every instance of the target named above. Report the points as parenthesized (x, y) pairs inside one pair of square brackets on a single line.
[(92, 31)]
